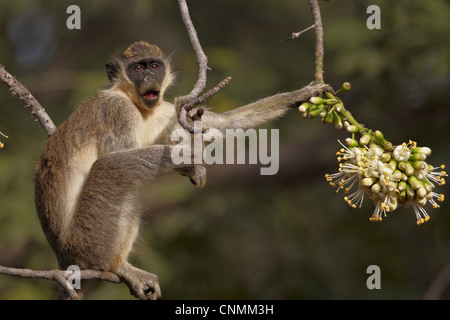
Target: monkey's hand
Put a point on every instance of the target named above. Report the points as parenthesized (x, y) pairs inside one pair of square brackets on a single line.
[(196, 173), (312, 90), (142, 284)]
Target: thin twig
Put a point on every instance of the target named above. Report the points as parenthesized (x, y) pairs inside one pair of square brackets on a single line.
[(23, 94), (184, 111), (295, 35), (319, 51), (208, 94)]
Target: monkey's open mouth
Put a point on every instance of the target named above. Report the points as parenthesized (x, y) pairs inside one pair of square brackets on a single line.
[(151, 95)]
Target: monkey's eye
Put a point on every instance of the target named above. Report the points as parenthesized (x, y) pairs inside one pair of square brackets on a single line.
[(139, 67), (154, 66)]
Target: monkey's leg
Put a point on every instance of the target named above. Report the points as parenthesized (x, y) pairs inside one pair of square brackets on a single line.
[(106, 222)]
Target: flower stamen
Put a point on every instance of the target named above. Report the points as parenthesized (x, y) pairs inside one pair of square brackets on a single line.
[(421, 214)]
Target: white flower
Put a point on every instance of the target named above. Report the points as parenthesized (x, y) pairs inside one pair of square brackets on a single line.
[(386, 203), (402, 153)]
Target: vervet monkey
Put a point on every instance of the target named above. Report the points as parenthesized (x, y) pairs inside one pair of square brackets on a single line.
[(91, 168)]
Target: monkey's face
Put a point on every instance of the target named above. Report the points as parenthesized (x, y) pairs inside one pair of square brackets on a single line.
[(148, 76)]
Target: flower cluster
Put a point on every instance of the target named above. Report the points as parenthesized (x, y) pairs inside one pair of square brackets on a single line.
[(389, 175), (390, 178)]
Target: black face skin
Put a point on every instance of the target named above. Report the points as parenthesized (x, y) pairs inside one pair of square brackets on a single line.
[(147, 76)]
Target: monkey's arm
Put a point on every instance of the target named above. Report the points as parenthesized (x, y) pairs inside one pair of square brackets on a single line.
[(263, 110)]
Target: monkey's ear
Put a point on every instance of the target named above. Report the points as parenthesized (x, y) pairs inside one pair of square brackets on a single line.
[(112, 70)]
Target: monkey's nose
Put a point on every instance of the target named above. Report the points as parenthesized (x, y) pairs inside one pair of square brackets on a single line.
[(148, 74)]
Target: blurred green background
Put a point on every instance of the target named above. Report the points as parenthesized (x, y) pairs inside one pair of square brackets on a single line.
[(244, 236)]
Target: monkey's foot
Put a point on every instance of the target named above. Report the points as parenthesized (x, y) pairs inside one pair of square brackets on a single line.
[(142, 284), (196, 173)]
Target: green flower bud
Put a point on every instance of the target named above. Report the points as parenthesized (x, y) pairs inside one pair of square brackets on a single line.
[(322, 114), (367, 182), (421, 201), (346, 86), (387, 145), (337, 121), (418, 157), (397, 175), (409, 191), (385, 157), (330, 95), (419, 165), (414, 183), (421, 192), (351, 142), (331, 101), (352, 128), (409, 170), (305, 106), (428, 185), (404, 177), (425, 150), (315, 111), (401, 186), (305, 115), (317, 100), (381, 142), (328, 118), (338, 107), (376, 187), (365, 139), (402, 165), (378, 135)]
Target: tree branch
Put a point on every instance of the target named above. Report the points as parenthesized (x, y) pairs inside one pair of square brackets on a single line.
[(319, 51), (61, 276), (17, 89)]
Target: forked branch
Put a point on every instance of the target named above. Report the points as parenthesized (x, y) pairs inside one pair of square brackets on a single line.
[(186, 103)]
